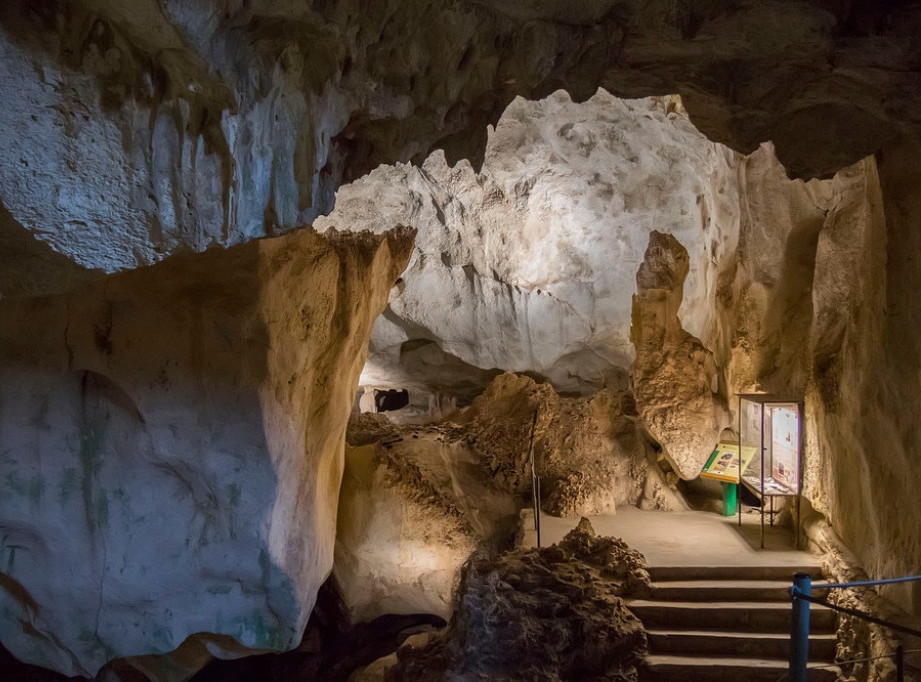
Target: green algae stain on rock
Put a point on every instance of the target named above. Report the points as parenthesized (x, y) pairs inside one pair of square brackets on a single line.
[(32, 487)]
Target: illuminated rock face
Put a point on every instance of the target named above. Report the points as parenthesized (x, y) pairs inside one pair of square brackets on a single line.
[(129, 130), (862, 398), (171, 447), (676, 379), (530, 264), (133, 130), (417, 501)]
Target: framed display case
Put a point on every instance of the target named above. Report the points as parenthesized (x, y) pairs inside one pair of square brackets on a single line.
[(771, 428)]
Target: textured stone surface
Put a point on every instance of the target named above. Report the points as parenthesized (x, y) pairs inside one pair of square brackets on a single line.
[(171, 447), (818, 304), (417, 501), (414, 505), (551, 614), (132, 129), (530, 264), (863, 391), (676, 379)]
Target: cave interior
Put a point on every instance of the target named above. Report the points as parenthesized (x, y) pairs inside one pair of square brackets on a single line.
[(306, 306)]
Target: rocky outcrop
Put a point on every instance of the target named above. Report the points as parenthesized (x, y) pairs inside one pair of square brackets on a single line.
[(676, 379), (413, 507), (590, 453), (552, 614), (418, 501), (864, 353), (815, 304), (171, 447)]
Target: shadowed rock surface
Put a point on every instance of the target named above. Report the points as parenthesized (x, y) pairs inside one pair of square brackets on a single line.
[(167, 125), (554, 613), (141, 131)]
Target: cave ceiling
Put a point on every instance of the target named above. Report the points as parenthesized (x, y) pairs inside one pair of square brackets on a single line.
[(132, 130)]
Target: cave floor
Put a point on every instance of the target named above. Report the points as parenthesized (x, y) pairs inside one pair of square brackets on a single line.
[(685, 538)]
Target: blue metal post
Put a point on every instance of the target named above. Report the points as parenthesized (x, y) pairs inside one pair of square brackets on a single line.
[(799, 633)]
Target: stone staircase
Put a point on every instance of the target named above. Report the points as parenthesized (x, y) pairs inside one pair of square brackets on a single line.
[(725, 623)]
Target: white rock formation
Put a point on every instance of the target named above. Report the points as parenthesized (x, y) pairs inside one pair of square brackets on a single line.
[(131, 129), (530, 264), (171, 442)]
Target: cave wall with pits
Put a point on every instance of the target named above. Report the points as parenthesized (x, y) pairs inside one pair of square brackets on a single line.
[(418, 500), (167, 125), (748, 287), (530, 264), (134, 132)]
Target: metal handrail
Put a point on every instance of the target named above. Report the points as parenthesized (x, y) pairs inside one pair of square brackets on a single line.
[(860, 614), (801, 597), (851, 661), (864, 583)]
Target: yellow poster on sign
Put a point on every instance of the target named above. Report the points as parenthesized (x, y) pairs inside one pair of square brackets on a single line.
[(723, 464)]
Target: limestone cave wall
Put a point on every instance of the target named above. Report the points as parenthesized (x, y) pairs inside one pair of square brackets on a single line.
[(131, 130), (865, 367), (171, 441), (213, 389)]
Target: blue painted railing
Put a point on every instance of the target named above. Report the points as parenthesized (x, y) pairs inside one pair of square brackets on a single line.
[(801, 596)]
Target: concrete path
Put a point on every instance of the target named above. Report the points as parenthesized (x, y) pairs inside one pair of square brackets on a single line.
[(687, 538)]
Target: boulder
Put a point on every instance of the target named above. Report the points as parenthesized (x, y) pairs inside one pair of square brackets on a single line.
[(554, 613)]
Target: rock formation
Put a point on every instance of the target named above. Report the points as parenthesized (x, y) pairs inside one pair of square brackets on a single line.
[(414, 506), (167, 125), (544, 614), (529, 265), (418, 501), (133, 132), (171, 447), (675, 376)]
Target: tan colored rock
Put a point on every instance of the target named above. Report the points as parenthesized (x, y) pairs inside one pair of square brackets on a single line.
[(588, 452), (861, 399), (675, 377), (401, 536), (418, 501), (171, 446)]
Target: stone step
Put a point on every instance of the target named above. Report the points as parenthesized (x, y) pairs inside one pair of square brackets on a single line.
[(738, 644), (735, 616), (784, 573), (720, 590), (663, 668)]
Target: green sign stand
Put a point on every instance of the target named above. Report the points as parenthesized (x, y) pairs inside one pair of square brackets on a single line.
[(729, 498)]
